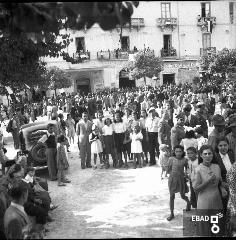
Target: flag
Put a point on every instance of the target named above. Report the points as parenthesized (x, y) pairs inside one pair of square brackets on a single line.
[(9, 90), (27, 86), (209, 26)]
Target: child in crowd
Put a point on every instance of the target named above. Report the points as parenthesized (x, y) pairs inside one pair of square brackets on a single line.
[(200, 138), (136, 145), (109, 144), (177, 168), (96, 145), (164, 158), (189, 140), (192, 163), (62, 161)]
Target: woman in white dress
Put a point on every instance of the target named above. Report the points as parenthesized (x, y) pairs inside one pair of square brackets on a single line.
[(136, 145), (96, 145)]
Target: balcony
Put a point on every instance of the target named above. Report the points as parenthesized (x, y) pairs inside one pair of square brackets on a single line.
[(165, 23), (113, 55), (202, 22), (207, 51), (168, 53), (81, 57), (135, 23)]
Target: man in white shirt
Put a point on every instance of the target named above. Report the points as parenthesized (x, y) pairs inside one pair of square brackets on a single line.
[(152, 134), (83, 129)]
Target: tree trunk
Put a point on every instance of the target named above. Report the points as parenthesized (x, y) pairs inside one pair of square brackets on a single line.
[(55, 92), (145, 81)]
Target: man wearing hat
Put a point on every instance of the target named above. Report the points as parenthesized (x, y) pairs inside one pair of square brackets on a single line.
[(190, 120), (201, 118), (219, 130), (232, 136), (152, 134)]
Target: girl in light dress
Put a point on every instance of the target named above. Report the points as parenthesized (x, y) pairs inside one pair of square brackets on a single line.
[(70, 124), (136, 145), (164, 158), (96, 145)]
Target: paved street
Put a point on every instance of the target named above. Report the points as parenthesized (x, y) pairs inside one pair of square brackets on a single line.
[(111, 203)]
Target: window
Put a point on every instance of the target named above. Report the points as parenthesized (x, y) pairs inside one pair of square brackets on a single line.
[(231, 12), (206, 40), (125, 43), (165, 10), (167, 42), (206, 10), (80, 44)]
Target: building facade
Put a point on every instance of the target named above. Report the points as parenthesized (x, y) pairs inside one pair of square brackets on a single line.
[(177, 31)]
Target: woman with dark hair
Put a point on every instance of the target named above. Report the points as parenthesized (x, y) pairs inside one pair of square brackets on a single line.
[(207, 182), (225, 159), (119, 136), (189, 140), (177, 180)]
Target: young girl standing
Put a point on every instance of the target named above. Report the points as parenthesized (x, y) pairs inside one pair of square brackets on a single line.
[(96, 145), (177, 182), (62, 162), (70, 124), (164, 158), (108, 137), (136, 145)]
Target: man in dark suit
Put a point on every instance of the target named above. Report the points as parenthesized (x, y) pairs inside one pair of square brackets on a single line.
[(16, 221), (190, 120), (231, 105)]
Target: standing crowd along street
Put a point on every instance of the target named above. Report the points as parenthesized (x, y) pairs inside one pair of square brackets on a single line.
[(172, 127)]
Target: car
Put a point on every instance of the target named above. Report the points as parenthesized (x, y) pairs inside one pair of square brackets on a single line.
[(29, 136)]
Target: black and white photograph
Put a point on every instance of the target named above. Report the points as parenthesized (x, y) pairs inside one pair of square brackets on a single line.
[(117, 119)]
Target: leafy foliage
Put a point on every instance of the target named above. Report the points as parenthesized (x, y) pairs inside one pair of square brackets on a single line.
[(145, 65), (55, 78), (20, 62), (43, 17), (220, 63)]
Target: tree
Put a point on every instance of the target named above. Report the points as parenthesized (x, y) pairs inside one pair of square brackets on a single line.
[(20, 62), (29, 31), (220, 63), (55, 79), (145, 65), (44, 17)]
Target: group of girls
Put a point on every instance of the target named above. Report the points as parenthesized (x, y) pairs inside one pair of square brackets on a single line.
[(117, 137)]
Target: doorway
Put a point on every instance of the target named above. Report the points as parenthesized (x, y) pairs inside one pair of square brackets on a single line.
[(124, 81), (125, 43), (83, 86), (169, 79), (167, 42)]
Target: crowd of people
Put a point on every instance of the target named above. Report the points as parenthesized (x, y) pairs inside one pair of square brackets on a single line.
[(168, 126)]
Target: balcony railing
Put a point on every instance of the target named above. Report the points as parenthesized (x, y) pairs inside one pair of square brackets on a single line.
[(207, 51), (135, 23), (113, 55), (201, 21), (166, 23), (81, 56), (168, 52)]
